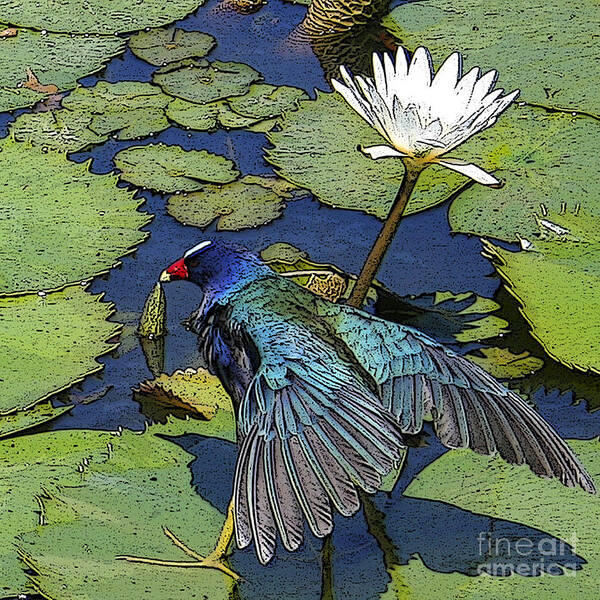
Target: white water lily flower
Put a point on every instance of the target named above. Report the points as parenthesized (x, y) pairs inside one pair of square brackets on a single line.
[(425, 116)]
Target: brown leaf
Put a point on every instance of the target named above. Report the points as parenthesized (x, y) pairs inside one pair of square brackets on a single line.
[(33, 83), (9, 32)]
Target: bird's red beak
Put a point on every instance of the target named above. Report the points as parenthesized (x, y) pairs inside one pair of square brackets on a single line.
[(177, 270)]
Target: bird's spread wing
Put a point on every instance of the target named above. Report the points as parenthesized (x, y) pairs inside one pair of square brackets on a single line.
[(312, 431), (469, 407)]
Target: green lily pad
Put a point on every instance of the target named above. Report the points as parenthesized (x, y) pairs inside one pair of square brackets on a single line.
[(26, 419), (555, 283), (489, 486), (503, 364), (104, 97), (172, 169), (54, 59), (317, 149), (207, 117), (58, 337), (470, 330), (193, 392), (545, 158), (94, 16), (202, 117), (63, 130), (91, 496), (239, 205), (44, 197), (204, 82), (561, 67), (162, 46), (264, 101), (131, 125), (127, 109)]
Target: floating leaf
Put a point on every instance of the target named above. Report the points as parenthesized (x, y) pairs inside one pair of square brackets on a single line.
[(317, 148), (545, 158), (503, 364), (556, 284), (249, 202), (264, 101), (172, 169), (128, 109), (95, 16), (154, 316), (561, 66), (464, 317), (62, 130), (488, 486), (204, 82), (206, 117), (202, 117), (162, 46), (96, 496), (33, 83), (54, 58), (22, 420), (194, 391), (44, 198), (58, 337)]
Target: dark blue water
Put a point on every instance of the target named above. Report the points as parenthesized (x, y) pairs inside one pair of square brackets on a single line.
[(424, 258)]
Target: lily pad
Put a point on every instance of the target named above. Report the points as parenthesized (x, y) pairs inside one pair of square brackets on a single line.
[(249, 202), (162, 46), (193, 391), (54, 59), (44, 198), (488, 486), (127, 109), (22, 420), (63, 130), (556, 285), (206, 82), (503, 364), (172, 169), (207, 117), (545, 158), (464, 317), (58, 337), (94, 16), (98, 495), (318, 149), (561, 67), (264, 101)]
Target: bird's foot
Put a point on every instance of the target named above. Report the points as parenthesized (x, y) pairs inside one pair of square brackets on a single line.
[(215, 560)]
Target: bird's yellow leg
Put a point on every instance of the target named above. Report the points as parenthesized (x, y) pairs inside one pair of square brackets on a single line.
[(215, 560)]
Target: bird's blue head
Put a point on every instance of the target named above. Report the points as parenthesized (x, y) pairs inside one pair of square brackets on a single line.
[(216, 266)]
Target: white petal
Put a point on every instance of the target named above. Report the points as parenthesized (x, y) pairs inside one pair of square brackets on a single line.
[(470, 170), (382, 152), (380, 75), (449, 73), (401, 68), (483, 87), (352, 96), (421, 68)]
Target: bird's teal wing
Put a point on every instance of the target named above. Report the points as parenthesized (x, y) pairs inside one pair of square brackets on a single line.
[(470, 409), (312, 432)]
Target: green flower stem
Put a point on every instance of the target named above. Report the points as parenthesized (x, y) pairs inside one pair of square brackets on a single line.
[(386, 235)]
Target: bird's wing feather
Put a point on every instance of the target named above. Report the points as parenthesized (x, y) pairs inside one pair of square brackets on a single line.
[(469, 407), (312, 430)]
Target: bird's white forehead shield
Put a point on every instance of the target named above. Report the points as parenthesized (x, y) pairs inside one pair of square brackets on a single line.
[(197, 248)]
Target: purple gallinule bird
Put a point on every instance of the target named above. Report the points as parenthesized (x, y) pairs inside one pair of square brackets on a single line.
[(324, 392)]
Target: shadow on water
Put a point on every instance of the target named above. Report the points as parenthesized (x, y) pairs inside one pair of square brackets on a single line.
[(446, 538)]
